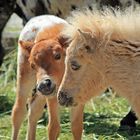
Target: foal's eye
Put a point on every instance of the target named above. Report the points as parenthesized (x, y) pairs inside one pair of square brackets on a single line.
[(32, 66), (87, 48), (75, 65), (57, 56)]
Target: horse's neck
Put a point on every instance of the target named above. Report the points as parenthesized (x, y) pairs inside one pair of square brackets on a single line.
[(121, 67)]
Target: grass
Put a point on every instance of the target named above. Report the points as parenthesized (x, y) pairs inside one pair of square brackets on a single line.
[(101, 118)]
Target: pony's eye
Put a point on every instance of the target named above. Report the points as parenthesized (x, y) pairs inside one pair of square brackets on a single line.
[(87, 48), (75, 65), (32, 66), (57, 56)]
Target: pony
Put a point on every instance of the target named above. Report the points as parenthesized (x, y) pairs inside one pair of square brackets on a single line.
[(41, 60), (104, 52)]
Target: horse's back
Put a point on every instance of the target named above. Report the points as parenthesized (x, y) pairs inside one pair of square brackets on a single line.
[(37, 24)]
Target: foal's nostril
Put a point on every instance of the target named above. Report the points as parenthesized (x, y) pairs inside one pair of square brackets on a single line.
[(64, 99), (44, 85), (41, 86), (48, 82)]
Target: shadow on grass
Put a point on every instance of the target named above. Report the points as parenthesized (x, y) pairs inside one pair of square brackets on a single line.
[(5, 105), (108, 126), (97, 124)]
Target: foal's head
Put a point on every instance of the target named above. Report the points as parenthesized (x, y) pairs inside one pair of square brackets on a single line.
[(46, 58), (82, 78)]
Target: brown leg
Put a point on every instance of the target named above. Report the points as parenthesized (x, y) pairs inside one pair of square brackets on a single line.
[(54, 124), (136, 104), (77, 121), (35, 112), (25, 83), (18, 114)]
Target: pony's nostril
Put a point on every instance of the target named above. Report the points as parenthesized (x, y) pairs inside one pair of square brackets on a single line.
[(61, 95), (41, 86), (46, 87), (65, 99), (48, 82)]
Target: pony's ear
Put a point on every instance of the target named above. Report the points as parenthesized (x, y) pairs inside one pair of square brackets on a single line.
[(89, 39), (26, 45), (86, 35), (64, 41)]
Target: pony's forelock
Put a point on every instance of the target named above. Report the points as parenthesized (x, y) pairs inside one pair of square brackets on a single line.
[(109, 23)]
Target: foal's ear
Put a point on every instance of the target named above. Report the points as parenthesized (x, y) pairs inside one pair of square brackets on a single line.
[(85, 35), (26, 45), (89, 39), (64, 41)]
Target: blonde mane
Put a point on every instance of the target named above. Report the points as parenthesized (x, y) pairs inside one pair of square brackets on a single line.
[(108, 23)]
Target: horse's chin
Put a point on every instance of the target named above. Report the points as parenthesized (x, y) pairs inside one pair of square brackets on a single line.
[(72, 103), (50, 93)]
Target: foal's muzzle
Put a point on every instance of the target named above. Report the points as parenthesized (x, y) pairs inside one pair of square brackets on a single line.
[(64, 99), (46, 87)]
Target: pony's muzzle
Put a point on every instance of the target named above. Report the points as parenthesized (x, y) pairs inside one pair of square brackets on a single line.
[(64, 99), (46, 87)]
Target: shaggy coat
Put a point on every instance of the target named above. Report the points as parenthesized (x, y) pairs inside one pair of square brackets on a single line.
[(41, 58), (104, 52)]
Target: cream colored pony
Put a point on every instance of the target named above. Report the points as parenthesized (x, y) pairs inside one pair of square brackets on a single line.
[(104, 52)]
